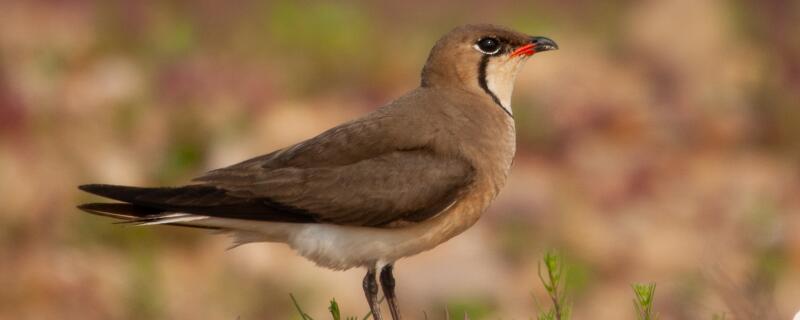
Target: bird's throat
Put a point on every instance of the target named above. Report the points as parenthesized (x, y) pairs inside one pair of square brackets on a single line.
[(496, 77)]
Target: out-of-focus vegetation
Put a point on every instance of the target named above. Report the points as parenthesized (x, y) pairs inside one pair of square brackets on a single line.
[(660, 143), (334, 310), (553, 278), (644, 295)]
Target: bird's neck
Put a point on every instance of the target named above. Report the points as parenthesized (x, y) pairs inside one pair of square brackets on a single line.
[(496, 77)]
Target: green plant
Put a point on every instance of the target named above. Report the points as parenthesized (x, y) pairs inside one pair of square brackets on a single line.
[(333, 309), (302, 313), (643, 301), (554, 284)]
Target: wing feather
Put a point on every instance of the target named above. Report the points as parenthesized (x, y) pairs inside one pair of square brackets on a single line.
[(403, 185)]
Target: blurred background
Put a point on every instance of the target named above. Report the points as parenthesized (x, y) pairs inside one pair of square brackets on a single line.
[(661, 143)]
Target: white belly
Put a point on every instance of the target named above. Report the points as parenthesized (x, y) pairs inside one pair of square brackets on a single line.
[(333, 246)]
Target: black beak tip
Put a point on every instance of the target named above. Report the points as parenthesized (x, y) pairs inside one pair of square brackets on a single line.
[(543, 44)]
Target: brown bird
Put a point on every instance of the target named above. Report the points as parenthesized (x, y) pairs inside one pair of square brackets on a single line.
[(396, 182)]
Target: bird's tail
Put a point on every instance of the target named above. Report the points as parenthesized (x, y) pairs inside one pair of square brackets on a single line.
[(195, 206), (122, 211), (143, 216), (134, 213)]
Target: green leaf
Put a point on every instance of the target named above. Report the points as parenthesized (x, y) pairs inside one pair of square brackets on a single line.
[(553, 280), (334, 309)]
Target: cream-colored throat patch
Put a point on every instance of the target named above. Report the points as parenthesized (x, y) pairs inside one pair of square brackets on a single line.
[(500, 75)]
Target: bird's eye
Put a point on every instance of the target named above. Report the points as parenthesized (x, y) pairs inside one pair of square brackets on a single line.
[(488, 45)]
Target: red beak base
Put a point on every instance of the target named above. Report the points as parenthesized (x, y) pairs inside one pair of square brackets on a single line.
[(525, 50)]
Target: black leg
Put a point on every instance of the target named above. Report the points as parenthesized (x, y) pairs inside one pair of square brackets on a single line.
[(371, 291), (387, 282)]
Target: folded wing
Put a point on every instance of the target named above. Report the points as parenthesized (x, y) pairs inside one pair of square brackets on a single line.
[(410, 185)]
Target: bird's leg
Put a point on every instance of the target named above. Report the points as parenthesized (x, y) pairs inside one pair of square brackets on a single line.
[(387, 282), (371, 291)]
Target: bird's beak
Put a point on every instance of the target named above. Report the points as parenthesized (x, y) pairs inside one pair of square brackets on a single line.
[(537, 44)]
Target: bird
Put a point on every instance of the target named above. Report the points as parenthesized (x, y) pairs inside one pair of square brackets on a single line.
[(395, 182)]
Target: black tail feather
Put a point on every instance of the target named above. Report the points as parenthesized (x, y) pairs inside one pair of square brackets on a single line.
[(195, 199), (135, 194)]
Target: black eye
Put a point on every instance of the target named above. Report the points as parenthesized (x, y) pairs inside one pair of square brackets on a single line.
[(488, 45)]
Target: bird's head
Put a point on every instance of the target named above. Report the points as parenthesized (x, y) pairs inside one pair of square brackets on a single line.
[(482, 59)]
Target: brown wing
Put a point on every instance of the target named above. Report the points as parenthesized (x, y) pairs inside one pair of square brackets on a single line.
[(402, 185), (397, 186)]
